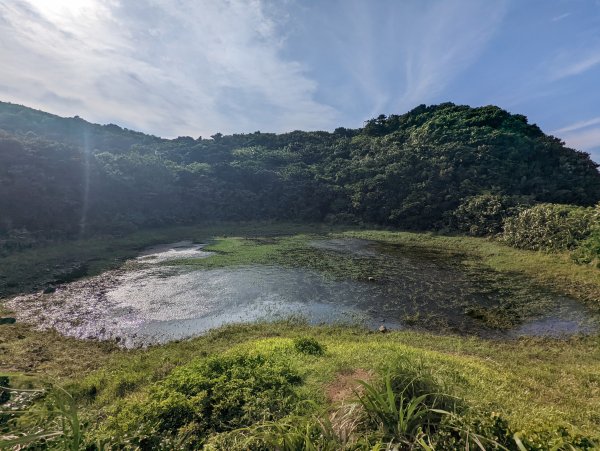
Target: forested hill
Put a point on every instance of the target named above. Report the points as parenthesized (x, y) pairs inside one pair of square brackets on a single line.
[(23, 121), (67, 177)]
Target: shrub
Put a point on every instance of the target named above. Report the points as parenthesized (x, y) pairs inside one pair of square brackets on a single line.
[(484, 214), (552, 227), (588, 251), (54, 425), (308, 345), (210, 396)]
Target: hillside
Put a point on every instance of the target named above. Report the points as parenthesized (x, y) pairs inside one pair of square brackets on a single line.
[(65, 177)]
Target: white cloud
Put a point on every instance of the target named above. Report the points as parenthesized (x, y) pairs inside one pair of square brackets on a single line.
[(568, 65), (162, 66), (560, 17), (588, 139), (393, 55), (578, 125), (582, 135)]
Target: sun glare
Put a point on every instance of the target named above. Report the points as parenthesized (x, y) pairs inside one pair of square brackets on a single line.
[(64, 9)]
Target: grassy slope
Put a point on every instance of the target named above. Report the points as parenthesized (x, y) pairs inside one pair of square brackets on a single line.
[(536, 382)]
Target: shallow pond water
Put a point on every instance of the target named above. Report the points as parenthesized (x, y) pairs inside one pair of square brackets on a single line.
[(174, 251), (161, 304), (156, 302)]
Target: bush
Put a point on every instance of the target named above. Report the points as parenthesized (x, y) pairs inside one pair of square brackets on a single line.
[(588, 251), (308, 345), (485, 214), (552, 227), (215, 395)]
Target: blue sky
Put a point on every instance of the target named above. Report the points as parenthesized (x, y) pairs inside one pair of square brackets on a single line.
[(175, 67)]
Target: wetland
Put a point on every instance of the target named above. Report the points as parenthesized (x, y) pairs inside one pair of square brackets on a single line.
[(174, 291)]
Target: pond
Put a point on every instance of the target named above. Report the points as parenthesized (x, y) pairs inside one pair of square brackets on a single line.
[(153, 301)]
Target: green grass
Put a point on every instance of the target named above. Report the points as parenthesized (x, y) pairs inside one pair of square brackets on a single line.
[(536, 385), (535, 382)]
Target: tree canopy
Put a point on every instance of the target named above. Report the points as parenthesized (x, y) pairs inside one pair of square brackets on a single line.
[(67, 177)]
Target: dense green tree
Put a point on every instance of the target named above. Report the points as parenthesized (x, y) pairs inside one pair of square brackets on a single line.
[(430, 168)]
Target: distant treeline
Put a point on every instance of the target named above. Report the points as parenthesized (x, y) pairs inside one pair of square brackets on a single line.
[(423, 170)]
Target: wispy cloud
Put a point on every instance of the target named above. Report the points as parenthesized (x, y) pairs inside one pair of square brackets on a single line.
[(561, 17), (162, 66), (442, 42), (583, 135), (586, 140), (391, 56), (578, 125), (568, 65)]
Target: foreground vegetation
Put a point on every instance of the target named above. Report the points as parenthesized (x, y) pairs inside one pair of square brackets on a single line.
[(291, 383)]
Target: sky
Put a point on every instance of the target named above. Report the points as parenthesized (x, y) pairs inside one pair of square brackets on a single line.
[(197, 67)]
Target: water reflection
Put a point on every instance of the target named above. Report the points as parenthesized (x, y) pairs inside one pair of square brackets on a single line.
[(158, 303)]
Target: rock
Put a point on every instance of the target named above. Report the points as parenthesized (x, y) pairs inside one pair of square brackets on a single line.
[(382, 329), (8, 320), (70, 273), (49, 290)]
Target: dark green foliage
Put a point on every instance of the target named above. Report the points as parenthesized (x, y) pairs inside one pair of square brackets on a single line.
[(308, 345), (404, 411), (409, 411), (66, 177), (401, 410), (4, 394), (73, 131), (553, 227), (588, 251), (210, 396), (484, 214)]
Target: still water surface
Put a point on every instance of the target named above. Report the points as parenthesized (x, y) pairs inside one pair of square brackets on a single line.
[(156, 302)]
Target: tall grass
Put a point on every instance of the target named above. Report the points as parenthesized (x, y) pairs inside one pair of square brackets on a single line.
[(54, 424), (402, 412), (403, 417)]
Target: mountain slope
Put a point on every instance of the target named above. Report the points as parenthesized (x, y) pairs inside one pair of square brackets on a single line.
[(67, 177)]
